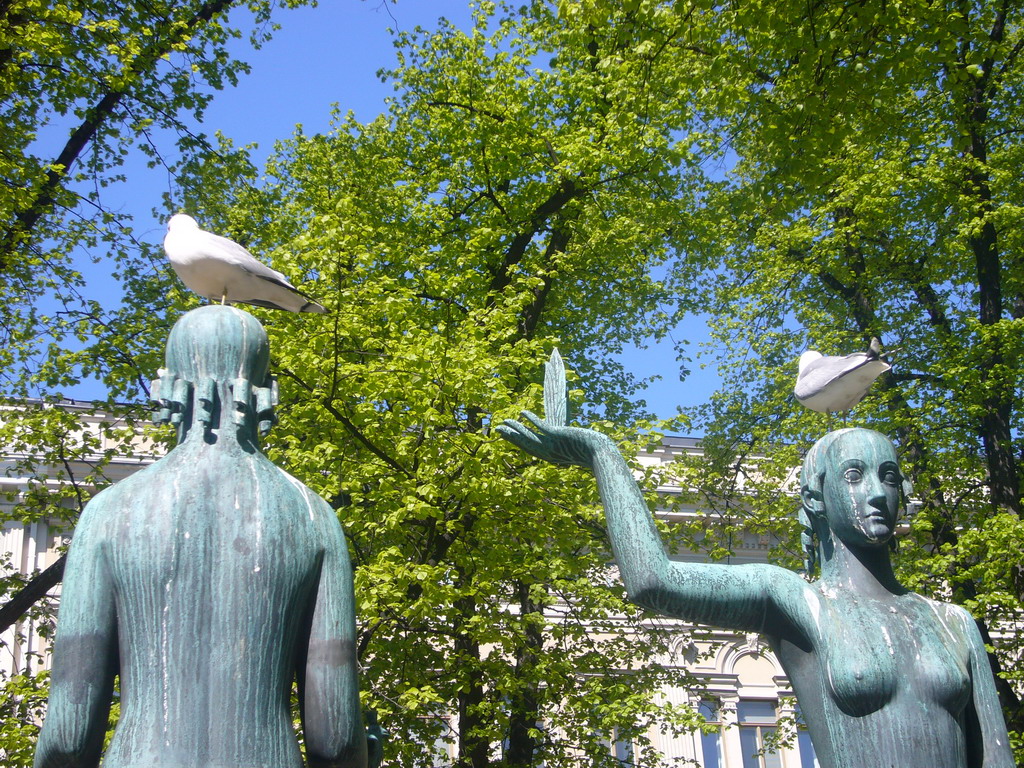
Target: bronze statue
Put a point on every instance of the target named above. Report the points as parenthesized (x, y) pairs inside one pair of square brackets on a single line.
[(208, 582), (884, 676)]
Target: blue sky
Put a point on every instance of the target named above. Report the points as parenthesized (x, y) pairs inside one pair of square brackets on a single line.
[(330, 55), (320, 57)]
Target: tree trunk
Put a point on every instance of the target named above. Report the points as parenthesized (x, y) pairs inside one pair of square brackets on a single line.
[(31, 593), (524, 706), (474, 749)]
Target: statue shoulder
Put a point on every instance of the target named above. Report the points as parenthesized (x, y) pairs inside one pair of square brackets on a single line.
[(803, 605), (137, 484), (956, 615), (320, 511), (793, 594), (110, 499), (947, 610), (302, 488), (956, 619), (793, 603)]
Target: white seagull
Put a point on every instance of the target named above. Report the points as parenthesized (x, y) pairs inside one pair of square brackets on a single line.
[(837, 383), (222, 270)]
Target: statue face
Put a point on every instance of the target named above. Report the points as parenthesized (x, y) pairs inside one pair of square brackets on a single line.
[(862, 489)]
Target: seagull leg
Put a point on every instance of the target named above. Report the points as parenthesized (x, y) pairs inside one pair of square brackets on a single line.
[(223, 298)]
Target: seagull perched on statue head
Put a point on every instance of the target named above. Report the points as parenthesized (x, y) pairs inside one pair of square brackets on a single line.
[(837, 383), (222, 270)]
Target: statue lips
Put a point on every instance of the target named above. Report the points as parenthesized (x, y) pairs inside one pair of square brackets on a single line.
[(879, 525)]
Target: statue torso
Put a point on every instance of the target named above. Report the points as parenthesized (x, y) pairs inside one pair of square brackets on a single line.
[(888, 677)]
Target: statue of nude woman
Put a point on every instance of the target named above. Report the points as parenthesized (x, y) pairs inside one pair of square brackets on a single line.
[(209, 582), (884, 676)]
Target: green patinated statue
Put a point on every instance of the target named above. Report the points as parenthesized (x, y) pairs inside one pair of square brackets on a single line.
[(884, 677), (209, 582)]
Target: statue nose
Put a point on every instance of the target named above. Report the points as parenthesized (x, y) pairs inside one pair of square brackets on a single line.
[(878, 499), (876, 494)]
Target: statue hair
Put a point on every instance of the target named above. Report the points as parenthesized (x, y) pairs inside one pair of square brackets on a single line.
[(217, 366)]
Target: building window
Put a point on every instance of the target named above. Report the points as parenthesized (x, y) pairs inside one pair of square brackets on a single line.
[(441, 750), (620, 746), (711, 741), (757, 722)]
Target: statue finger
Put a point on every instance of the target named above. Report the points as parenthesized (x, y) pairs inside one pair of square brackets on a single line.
[(518, 434), (509, 429), (539, 424), (511, 426)]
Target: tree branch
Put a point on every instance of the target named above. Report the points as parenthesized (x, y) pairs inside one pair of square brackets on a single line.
[(32, 592), (43, 201)]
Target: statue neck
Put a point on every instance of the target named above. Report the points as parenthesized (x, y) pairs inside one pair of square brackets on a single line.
[(866, 570), (221, 432)]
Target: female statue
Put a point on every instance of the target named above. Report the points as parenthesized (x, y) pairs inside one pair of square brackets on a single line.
[(884, 677), (209, 582)]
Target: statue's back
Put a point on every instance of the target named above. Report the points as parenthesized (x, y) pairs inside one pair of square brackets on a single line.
[(213, 584)]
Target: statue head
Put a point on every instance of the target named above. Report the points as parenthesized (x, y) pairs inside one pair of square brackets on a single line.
[(217, 361), (850, 490), (218, 342)]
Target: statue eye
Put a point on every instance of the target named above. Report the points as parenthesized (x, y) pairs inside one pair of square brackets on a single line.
[(891, 478), (853, 475)]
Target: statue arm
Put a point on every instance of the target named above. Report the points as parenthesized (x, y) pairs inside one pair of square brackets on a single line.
[(332, 717), (85, 655), (988, 745), (741, 597)]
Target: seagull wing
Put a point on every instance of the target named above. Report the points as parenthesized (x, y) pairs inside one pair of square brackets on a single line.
[(837, 383), (230, 252), (817, 375), (234, 254)]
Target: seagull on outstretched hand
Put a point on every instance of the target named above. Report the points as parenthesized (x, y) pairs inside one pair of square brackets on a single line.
[(837, 383), (221, 269)]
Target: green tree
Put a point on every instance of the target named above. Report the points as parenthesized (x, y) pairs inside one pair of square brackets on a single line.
[(530, 178), (82, 85), (873, 190)]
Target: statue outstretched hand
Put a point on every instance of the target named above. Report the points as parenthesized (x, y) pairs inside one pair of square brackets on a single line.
[(549, 438)]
